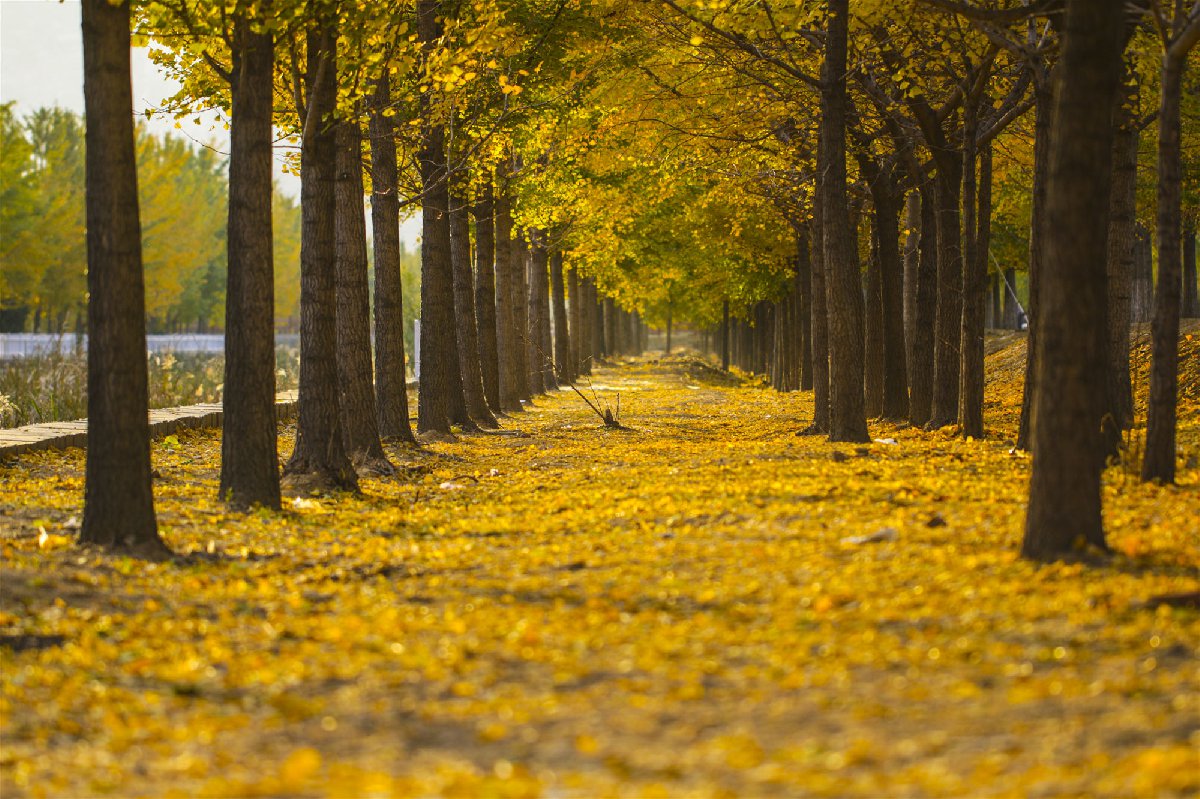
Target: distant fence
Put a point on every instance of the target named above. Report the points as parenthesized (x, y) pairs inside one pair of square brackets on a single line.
[(23, 345)]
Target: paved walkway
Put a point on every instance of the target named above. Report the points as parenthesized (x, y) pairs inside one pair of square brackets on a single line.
[(163, 421)]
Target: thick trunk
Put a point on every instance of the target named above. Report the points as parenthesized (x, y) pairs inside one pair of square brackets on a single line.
[(506, 330), (464, 314), (948, 322), (1037, 228), (319, 460), (249, 453), (562, 336), (1143, 273), (545, 327), (895, 365), (356, 397), (1122, 220), (485, 295), (1064, 490), (118, 507), (974, 292), (391, 389), (1159, 463)]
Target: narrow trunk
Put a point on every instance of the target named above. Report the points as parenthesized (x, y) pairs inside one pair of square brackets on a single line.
[(464, 314), (576, 332), (668, 344), (356, 397), (1159, 464), (118, 505), (519, 265), (249, 453), (1044, 98), (1064, 490), (1008, 288), (391, 379), (1191, 295), (506, 331), (611, 346), (891, 266), (820, 326), (804, 300), (319, 462), (562, 337), (725, 335), (873, 328), (912, 257), (485, 295), (538, 264), (974, 292), (920, 402)]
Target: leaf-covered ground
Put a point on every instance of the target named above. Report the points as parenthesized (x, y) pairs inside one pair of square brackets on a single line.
[(704, 605)]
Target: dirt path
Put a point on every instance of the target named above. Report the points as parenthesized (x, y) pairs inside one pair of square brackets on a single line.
[(703, 605)]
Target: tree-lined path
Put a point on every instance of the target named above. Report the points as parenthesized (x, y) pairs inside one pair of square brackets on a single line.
[(704, 604)]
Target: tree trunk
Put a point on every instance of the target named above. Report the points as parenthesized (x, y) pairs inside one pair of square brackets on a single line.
[(887, 200), (545, 326), (847, 421), (1008, 288), (920, 403), (391, 379), (1191, 295), (1159, 463), (804, 307), (1044, 98), (1064, 491), (439, 346), (485, 295), (820, 325), (319, 462), (464, 314), (249, 453), (562, 336), (538, 264), (118, 507), (668, 343), (912, 257), (974, 291), (947, 352), (521, 321), (360, 431), (575, 328), (725, 335), (506, 331), (611, 346), (1122, 219), (873, 327), (1143, 273)]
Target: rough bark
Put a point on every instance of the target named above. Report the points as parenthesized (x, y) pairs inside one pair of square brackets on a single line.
[(947, 352), (575, 331), (1064, 491), (391, 379), (118, 506), (820, 326), (1122, 219), (1159, 462), (847, 417), (519, 253), (464, 314), (485, 295), (356, 391), (249, 453), (319, 462), (887, 199)]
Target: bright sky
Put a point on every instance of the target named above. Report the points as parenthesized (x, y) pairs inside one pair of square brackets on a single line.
[(41, 64)]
